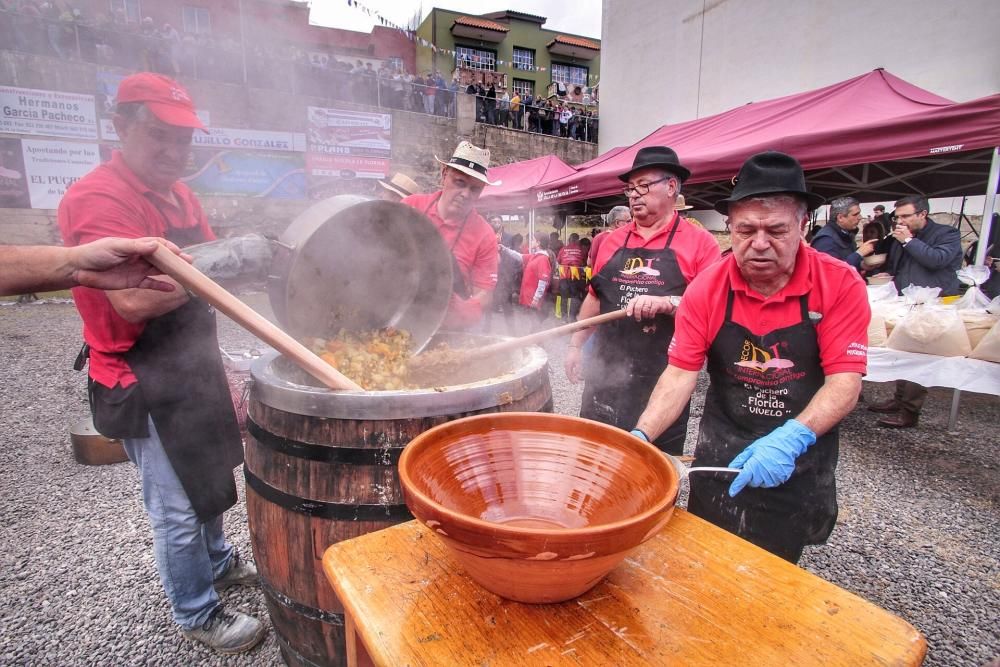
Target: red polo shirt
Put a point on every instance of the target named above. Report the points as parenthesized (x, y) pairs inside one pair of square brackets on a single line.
[(835, 290), (571, 255), (537, 278), (695, 248), (476, 248), (112, 201)]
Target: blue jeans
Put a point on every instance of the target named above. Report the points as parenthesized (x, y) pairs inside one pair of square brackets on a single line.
[(190, 554)]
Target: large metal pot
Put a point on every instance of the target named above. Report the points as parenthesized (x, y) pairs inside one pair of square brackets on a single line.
[(359, 263)]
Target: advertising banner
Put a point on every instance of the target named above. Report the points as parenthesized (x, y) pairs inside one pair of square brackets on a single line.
[(247, 174), (344, 146), (52, 166), (47, 113), (13, 180), (250, 140)]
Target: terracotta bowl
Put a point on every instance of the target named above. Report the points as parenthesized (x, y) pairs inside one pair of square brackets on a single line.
[(537, 507)]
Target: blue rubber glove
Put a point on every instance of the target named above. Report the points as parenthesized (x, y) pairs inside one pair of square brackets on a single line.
[(770, 461), (639, 434)]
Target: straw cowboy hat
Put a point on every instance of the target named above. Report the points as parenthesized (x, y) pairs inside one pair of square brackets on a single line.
[(681, 205), (401, 184), (470, 160)]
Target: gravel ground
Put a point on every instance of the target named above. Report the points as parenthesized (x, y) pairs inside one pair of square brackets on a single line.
[(917, 535)]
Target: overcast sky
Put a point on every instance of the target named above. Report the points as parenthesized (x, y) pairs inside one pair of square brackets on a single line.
[(580, 17)]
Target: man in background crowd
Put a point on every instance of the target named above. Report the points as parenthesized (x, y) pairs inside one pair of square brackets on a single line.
[(925, 254), (838, 238), (398, 187), (617, 217)]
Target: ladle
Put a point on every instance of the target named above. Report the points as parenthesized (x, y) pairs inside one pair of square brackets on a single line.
[(685, 471), (213, 293)]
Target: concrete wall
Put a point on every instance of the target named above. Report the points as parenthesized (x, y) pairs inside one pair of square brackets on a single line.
[(416, 139), (669, 62)]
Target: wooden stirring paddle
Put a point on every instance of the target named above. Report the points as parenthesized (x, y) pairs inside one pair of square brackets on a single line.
[(449, 358), (209, 290)]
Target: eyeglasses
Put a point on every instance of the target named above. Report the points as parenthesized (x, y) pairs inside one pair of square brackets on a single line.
[(904, 216), (642, 188)]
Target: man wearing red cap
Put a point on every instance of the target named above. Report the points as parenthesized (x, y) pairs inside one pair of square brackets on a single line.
[(156, 377)]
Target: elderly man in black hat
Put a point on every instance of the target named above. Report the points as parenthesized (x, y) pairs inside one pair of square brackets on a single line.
[(642, 267), (784, 331)]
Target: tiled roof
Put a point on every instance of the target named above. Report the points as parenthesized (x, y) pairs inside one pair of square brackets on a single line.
[(481, 23), (577, 41)]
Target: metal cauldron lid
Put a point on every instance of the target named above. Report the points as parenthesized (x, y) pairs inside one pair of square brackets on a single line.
[(359, 264)]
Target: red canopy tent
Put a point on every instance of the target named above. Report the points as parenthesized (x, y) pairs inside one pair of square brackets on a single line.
[(519, 180), (874, 136)]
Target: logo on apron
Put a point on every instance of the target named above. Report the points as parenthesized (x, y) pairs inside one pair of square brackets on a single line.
[(637, 265), (761, 360)]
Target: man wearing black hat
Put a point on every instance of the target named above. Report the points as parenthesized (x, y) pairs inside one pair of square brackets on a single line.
[(784, 331), (642, 267)]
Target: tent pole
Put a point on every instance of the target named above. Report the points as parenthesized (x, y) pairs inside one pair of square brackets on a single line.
[(531, 226), (991, 198)]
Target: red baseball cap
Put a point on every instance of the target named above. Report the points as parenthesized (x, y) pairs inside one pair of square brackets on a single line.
[(166, 98)]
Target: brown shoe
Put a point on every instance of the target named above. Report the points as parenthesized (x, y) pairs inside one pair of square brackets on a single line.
[(885, 407), (901, 419)]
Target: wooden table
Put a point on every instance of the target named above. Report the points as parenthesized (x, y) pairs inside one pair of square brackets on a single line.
[(692, 595)]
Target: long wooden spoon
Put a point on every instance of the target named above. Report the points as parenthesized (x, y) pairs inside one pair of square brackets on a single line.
[(449, 358), (209, 290)]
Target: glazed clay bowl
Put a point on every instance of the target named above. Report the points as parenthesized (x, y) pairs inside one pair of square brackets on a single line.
[(537, 507)]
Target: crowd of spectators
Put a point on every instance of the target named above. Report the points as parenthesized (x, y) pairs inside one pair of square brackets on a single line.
[(533, 113), (57, 29)]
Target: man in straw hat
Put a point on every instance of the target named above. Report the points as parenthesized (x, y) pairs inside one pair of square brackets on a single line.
[(472, 242), (784, 331), (639, 267), (682, 205), (156, 378), (398, 187)]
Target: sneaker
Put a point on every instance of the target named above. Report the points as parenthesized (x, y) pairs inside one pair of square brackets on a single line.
[(228, 631), (240, 573)]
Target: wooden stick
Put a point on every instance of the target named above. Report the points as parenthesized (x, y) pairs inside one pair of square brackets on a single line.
[(209, 290), (564, 330)]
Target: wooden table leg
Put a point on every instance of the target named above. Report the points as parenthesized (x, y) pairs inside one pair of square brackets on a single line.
[(357, 654)]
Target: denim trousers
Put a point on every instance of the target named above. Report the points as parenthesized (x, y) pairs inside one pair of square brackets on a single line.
[(189, 554)]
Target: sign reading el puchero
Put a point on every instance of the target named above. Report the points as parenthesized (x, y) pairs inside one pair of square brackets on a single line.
[(47, 113), (52, 166)]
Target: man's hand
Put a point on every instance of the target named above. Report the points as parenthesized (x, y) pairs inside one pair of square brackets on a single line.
[(867, 248), (573, 363), (770, 461), (113, 263), (647, 307), (901, 233)]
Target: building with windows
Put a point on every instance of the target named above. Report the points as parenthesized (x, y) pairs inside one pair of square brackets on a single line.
[(512, 50)]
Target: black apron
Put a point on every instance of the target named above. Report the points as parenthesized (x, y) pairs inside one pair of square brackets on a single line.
[(183, 387), (630, 356), (745, 403)]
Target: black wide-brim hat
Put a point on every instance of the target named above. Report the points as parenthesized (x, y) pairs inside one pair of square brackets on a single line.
[(657, 156), (770, 173)]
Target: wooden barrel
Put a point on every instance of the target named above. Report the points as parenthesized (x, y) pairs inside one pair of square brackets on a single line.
[(321, 468)]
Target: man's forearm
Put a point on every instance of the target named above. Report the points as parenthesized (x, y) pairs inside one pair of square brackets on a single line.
[(836, 398), (672, 392), (138, 305), (34, 269)]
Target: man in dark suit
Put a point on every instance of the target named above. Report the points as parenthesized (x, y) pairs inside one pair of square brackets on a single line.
[(926, 254)]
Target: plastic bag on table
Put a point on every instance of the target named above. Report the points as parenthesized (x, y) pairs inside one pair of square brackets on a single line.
[(988, 348), (884, 292), (994, 306), (917, 295), (931, 330), (973, 299)]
